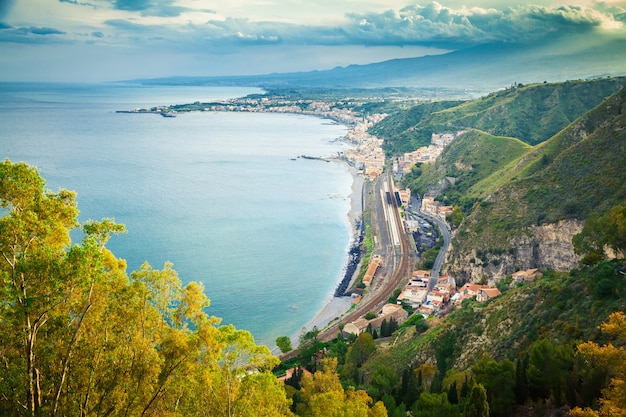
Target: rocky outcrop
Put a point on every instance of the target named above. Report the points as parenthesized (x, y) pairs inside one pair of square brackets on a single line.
[(545, 246)]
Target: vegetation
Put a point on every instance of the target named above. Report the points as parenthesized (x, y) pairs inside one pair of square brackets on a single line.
[(467, 161), (81, 337), (284, 344), (531, 113), (575, 174)]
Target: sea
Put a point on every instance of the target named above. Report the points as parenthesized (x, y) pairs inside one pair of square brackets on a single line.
[(224, 196)]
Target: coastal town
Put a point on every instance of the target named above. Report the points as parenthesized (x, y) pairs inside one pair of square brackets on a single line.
[(421, 291)]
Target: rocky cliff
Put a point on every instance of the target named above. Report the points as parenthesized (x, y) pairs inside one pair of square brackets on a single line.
[(544, 246)]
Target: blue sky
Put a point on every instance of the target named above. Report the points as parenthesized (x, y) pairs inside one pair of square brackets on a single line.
[(103, 40)]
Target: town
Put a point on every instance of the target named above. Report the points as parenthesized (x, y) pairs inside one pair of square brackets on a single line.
[(422, 292)]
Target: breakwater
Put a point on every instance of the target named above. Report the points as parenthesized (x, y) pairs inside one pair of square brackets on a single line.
[(354, 257)]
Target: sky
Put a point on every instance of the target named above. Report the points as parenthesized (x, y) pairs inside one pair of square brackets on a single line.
[(108, 40)]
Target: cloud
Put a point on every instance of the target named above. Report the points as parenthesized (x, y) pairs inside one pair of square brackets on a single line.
[(44, 31), (32, 34), (435, 24), (161, 8), (168, 25)]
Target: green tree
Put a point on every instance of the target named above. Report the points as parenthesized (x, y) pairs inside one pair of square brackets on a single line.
[(477, 405), (434, 405), (383, 382), (549, 366), (81, 337), (498, 378), (599, 232), (283, 343)]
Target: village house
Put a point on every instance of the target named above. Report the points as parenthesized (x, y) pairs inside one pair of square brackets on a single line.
[(481, 292), (388, 312), (413, 295), (469, 290), (405, 196), (485, 294), (525, 276)]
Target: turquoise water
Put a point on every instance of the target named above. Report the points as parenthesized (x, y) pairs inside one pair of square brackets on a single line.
[(218, 194)]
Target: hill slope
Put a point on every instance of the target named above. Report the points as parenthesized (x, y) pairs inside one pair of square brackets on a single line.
[(532, 113), (550, 191)]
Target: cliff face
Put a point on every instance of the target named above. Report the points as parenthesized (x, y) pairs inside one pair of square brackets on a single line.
[(545, 246)]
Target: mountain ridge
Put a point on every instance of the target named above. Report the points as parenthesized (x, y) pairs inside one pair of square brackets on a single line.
[(475, 70)]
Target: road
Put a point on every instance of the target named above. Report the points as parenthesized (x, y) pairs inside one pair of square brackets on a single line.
[(445, 234)]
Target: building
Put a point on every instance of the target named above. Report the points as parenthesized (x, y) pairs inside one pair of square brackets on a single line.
[(388, 312), (485, 294), (373, 266), (525, 276)]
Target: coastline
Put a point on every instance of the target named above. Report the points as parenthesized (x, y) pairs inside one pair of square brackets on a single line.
[(335, 307)]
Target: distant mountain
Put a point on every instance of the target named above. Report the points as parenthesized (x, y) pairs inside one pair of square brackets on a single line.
[(476, 70)]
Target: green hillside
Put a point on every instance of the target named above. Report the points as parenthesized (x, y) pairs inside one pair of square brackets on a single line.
[(576, 173), (550, 316), (404, 131), (532, 113), (470, 159)]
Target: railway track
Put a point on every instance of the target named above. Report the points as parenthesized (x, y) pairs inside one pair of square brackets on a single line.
[(400, 257)]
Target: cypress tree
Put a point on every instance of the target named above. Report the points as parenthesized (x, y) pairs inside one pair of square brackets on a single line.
[(453, 394), (477, 405), (384, 329)]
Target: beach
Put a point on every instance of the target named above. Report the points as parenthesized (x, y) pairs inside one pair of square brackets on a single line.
[(337, 306)]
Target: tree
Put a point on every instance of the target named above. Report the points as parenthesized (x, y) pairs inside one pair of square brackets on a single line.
[(284, 344), (361, 349), (549, 366), (81, 337), (612, 357), (434, 405), (323, 395), (600, 232), (383, 382), (477, 405), (498, 378)]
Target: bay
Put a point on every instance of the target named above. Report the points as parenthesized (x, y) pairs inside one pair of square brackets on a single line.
[(224, 196)]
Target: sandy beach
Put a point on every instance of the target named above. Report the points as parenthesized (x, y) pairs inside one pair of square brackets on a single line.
[(337, 306)]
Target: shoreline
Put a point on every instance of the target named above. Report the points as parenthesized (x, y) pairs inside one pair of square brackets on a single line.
[(336, 306)]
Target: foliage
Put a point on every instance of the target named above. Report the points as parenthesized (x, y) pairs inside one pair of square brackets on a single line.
[(599, 232), (80, 336), (477, 405), (574, 174), (406, 131), (531, 113), (611, 356), (284, 344), (498, 378), (323, 395), (370, 315)]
